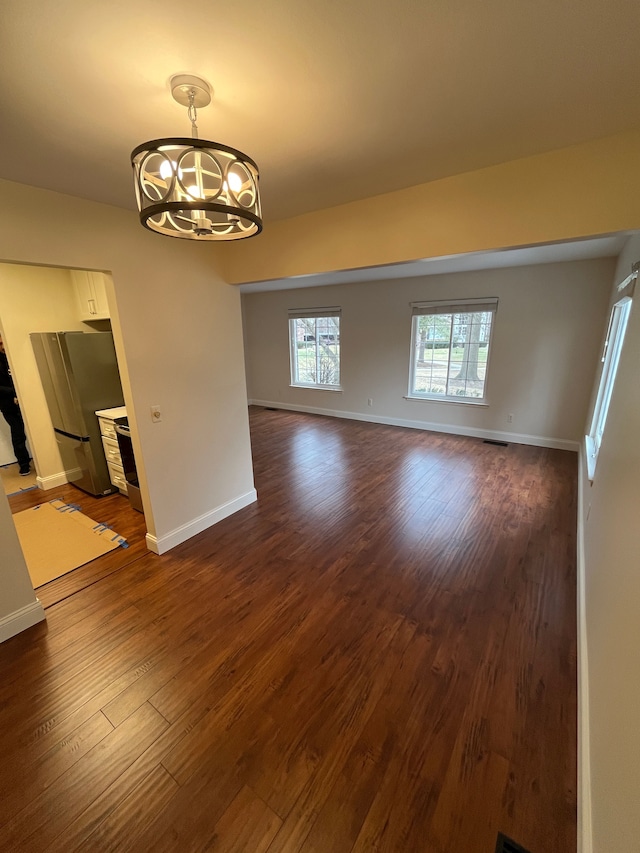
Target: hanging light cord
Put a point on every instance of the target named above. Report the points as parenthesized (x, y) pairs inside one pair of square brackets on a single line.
[(193, 115)]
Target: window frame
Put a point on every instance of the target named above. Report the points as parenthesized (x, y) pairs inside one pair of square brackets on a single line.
[(462, 306), (334, 313), (612, 351)]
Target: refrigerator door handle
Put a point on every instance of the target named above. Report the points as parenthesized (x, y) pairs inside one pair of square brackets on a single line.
[(71, 435)]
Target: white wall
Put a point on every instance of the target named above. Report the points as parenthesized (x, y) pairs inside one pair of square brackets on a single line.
[(544, 350), (19, 607), (35, 299), (177, 327), (611, 511)]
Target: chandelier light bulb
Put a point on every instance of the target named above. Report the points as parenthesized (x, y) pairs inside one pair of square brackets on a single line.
[(169, 168), (235, 182)]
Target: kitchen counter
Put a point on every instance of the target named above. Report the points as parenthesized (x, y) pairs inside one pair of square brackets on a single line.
[(106, 419), (112, 414)]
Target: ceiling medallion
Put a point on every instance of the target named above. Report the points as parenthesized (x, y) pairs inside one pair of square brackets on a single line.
[(193, 188)]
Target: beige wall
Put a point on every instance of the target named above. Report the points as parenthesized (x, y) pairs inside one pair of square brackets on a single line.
[(177, 328), (544, 349), (35, 299), (611, 509), (19, 608), (574, 192)]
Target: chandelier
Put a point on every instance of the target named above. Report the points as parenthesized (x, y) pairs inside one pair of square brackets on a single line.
[(193, 188)]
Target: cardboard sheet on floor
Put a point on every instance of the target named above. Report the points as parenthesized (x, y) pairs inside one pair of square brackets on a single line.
[(57, 538), (12, 482)]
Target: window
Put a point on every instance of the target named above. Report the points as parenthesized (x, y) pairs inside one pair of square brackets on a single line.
[(450, 349), (314, 338), (610, 358)]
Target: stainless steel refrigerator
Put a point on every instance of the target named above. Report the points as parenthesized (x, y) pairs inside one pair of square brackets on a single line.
[(79, 374)]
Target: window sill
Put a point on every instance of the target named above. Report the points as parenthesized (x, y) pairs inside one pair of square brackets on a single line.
[(424, 399), (317, 387)]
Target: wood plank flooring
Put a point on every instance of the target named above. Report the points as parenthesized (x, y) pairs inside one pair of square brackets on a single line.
[(378, 655)]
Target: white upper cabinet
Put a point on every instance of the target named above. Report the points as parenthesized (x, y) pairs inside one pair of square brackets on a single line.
[(91, 294)]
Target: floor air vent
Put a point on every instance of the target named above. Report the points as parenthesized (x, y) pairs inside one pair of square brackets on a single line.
[(270, 409), (499, 443), (506, 845)]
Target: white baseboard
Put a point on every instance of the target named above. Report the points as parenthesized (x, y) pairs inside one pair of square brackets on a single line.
[(20, 620), (585, 839), (450, 429), (51, 481), (162, 544)]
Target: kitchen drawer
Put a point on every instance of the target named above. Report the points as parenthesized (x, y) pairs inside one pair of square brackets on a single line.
[(111, 451), (116, 473), (108, 429)]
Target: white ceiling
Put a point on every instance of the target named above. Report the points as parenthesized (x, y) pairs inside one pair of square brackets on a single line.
[(335, 99)]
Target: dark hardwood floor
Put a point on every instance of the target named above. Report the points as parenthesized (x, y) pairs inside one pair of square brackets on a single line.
[(378, 655)]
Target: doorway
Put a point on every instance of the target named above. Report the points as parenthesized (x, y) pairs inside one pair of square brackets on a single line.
[(42, 299)]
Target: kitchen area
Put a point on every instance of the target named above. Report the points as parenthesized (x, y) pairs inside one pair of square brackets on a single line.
[(57, 332), (115, 433)]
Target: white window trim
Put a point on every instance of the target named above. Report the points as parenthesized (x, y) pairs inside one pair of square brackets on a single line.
[(612, 351), (304, 313), (489, 304), (316, 387)]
